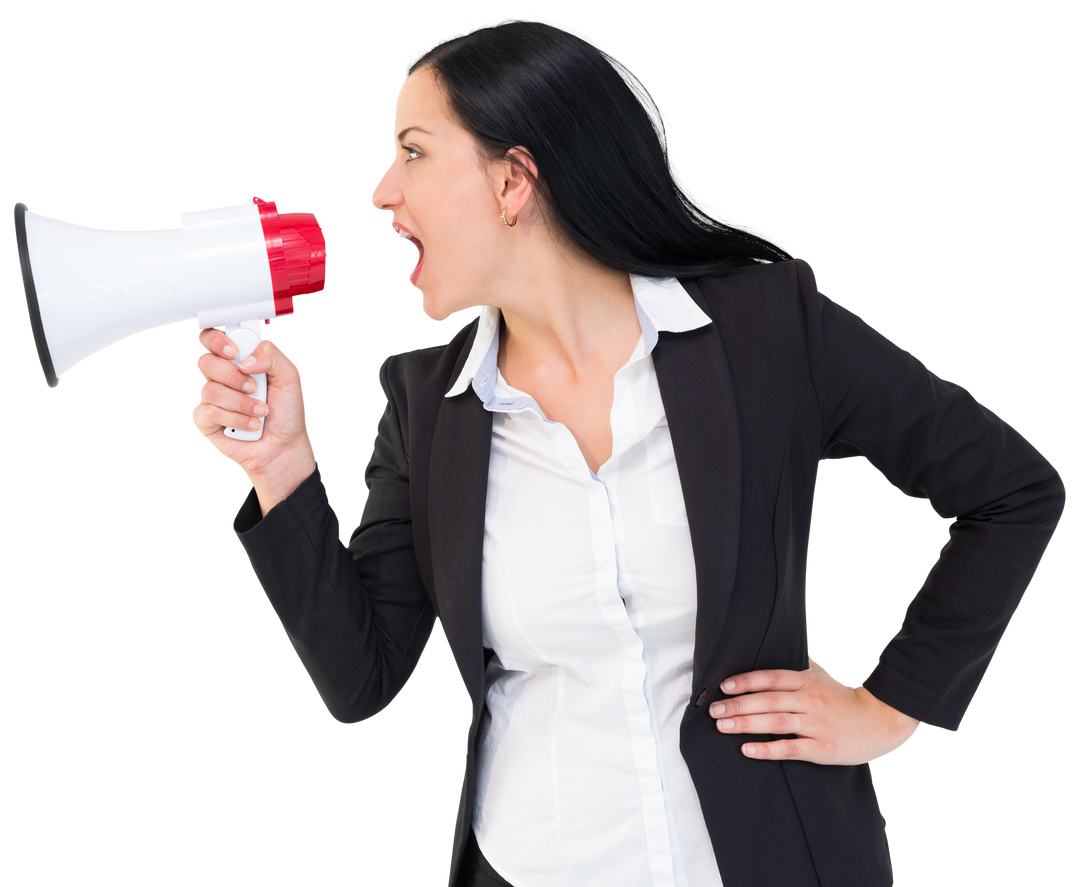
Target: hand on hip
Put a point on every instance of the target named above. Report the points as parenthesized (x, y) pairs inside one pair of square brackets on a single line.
[(831, 723)]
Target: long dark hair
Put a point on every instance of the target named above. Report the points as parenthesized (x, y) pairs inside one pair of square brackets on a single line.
[(602, 161)]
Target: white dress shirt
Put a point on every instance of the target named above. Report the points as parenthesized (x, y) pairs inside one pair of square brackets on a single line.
[(589, 602)]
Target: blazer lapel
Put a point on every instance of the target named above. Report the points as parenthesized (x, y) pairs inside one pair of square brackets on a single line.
[(457, 501), (699, 399)]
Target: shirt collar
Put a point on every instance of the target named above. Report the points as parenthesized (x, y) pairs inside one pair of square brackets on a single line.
[(662, 306)]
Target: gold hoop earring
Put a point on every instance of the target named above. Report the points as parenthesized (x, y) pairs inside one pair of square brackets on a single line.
[(508, 224)]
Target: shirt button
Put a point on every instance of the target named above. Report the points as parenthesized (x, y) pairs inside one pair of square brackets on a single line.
[(701, 697)]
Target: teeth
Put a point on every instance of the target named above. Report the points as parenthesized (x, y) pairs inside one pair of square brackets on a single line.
[(403, 233)]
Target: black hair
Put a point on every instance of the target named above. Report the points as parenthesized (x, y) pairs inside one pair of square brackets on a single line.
[(600, 153)]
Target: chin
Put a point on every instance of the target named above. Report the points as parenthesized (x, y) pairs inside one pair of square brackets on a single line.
[(431, 312), (432, 319), (437, 309)]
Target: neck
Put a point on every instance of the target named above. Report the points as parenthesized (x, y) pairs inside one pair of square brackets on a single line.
[(566, 317), (572, 327)]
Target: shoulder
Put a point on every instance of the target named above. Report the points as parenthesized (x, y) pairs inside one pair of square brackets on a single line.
[(768, 299), (775, 280), (426, 373)]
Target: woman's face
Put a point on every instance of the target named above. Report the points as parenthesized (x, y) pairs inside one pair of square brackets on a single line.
[(445, 197)]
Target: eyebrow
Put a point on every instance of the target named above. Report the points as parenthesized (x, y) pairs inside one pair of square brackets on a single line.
[(408, 129)]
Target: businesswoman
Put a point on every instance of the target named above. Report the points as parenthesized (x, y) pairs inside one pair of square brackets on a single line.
[(602, 487)]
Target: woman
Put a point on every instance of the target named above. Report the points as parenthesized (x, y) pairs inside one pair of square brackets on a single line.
[(603, 488)]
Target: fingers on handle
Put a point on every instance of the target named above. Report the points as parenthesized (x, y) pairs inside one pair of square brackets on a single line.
[(200, 414), (212, 338), (214, 341)]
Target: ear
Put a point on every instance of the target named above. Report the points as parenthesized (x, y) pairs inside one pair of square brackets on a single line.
[(516, 180)]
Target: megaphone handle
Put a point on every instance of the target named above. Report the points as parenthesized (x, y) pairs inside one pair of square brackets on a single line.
[(246, 336)]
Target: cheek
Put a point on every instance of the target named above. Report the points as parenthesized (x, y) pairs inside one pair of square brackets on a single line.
[(477, 244), (467, 243), (467, 207), (460, 228)]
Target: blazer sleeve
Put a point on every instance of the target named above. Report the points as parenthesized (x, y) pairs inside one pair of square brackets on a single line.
[(358, 617), (931, 439)]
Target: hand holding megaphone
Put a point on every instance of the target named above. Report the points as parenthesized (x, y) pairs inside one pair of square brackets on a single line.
[(234, 267), (283, 457)]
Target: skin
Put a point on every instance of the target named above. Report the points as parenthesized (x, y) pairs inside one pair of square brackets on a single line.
[(569, 324)]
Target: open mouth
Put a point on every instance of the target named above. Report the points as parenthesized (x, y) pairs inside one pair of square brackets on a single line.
[(415, 270), (417, 246)]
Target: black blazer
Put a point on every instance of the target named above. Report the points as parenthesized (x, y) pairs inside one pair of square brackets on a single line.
[(781, 379)]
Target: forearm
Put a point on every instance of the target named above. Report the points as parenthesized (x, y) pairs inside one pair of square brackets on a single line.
[(357, 626)]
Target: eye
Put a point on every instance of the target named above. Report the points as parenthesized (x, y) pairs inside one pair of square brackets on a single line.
[(412, 153)]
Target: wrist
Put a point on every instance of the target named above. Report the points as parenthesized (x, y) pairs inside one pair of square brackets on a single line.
[(278, 480), (899, 723)]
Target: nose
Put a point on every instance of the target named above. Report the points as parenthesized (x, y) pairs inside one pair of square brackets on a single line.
[(388, 193)]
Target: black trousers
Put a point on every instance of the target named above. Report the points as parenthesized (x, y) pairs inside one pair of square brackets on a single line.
[(477, 871)]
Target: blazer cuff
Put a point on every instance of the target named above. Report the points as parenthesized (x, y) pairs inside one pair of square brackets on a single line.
[(251, 526)]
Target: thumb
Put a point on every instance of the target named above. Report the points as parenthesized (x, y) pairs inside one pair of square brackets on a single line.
[(262, 359)]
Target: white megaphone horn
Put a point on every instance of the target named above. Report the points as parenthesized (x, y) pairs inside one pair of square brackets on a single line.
[(234, 267)]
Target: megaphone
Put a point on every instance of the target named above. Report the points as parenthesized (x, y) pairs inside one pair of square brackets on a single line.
[(234, 267)]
